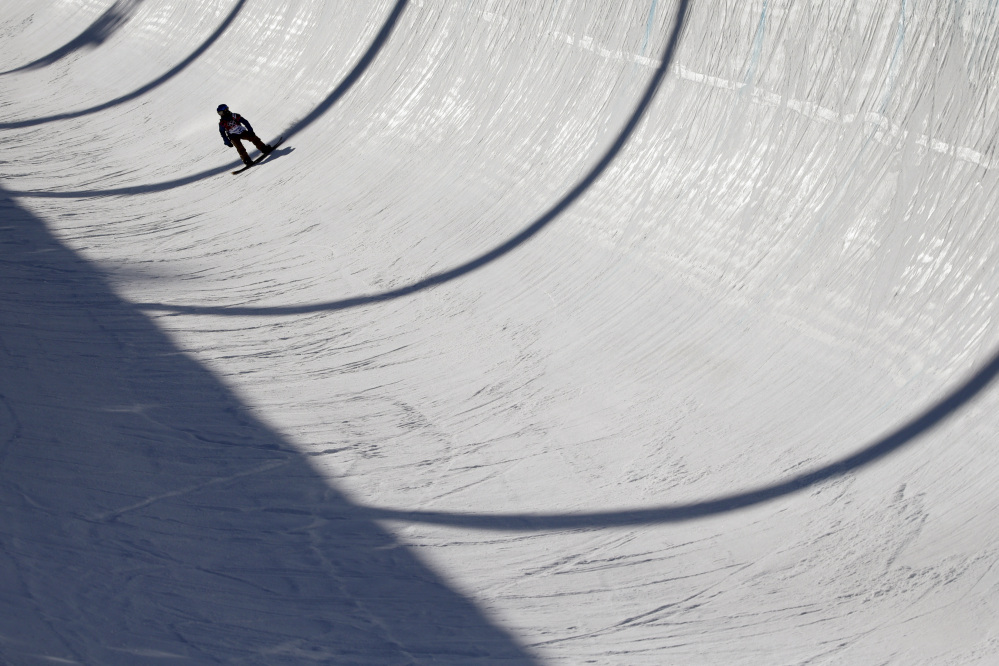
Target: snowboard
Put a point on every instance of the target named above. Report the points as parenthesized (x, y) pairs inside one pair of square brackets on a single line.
[(261, 158)]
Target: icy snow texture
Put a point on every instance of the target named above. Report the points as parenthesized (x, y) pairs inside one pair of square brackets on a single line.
[(556, 332)]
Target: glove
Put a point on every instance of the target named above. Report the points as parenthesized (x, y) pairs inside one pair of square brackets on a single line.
[(228, 144)]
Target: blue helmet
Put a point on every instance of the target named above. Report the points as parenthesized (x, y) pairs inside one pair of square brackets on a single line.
[(222, 107)]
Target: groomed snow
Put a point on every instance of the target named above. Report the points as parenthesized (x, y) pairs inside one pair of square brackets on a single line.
[(556, 332)]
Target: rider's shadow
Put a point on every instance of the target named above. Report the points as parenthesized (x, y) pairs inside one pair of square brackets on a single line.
[(278, 152)]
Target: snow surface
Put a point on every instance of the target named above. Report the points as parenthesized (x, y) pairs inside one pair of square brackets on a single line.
[(556, 332)]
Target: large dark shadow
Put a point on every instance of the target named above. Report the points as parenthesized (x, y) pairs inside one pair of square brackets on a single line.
[(148, 517), (138, 92), (339, 91), (96, 34)]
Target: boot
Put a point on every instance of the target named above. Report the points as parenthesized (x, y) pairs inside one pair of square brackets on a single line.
[(267, 149), (248, 162)]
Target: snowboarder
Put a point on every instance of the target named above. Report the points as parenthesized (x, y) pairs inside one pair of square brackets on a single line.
[(235, 129)]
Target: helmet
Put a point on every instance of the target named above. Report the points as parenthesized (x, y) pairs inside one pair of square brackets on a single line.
[(222, 107)]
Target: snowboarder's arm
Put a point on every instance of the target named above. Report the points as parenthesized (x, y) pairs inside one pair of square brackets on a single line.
[(246, 123), (225, 136)]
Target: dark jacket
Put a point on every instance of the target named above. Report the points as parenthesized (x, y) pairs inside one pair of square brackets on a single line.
[(232, 125)]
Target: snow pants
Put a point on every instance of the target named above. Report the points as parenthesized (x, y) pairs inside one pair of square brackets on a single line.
[(237, 140)]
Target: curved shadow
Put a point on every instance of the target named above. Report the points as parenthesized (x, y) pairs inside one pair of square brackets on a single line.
[(346, 84), (675, 513), (99, 31), (139, 91), (355, 74)]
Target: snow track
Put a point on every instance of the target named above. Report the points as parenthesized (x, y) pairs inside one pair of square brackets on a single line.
[(556, 332)]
